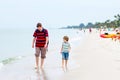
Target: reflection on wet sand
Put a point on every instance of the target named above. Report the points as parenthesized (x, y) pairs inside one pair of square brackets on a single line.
[(65, 69), (41, 74)]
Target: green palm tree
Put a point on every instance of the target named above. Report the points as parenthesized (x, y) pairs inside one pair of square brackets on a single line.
[(117, 20)]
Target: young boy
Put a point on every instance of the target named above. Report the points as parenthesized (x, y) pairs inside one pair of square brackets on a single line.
[(65, 51)]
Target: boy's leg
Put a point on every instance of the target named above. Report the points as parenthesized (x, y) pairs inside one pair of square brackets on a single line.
[(66, 59), (37, 56), (63, 59), (62, 63)]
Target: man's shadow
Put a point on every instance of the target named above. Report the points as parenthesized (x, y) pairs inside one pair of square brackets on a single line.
[(41, 75)]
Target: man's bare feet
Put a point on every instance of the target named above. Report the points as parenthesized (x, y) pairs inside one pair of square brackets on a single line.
[(41, 67), (36, 67)]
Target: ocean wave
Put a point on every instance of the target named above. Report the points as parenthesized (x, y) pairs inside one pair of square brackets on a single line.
[(1, 65), (9, 60), (78, 37), (75, 39)]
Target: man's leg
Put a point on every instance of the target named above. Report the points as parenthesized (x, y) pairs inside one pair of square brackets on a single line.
[(42, 62), (37, 56), (37, 62), (43, 56)]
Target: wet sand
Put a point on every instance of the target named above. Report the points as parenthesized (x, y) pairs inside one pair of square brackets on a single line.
[(94, 59)]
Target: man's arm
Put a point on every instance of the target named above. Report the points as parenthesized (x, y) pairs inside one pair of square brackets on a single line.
[(33, 42), (47, 38), (46, 43)]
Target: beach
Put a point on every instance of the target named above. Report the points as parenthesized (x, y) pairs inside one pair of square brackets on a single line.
[(95, 58), (99, 59)]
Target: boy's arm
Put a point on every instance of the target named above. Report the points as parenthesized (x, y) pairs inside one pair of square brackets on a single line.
[(69, 47), (33, 42), (61, 49)]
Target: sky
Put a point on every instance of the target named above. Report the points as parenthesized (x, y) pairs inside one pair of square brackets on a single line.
[(55, 13)]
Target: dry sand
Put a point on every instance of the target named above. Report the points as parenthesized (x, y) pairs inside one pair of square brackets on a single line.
[(99, 59)]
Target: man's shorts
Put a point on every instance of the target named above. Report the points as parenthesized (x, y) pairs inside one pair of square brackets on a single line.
[(41, 51), (65, 55)]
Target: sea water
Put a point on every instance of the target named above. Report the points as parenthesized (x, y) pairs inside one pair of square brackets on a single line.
[(17, 43)]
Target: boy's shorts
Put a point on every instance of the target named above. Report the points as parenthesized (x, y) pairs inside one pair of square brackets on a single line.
[(65, 55), (41, 51)]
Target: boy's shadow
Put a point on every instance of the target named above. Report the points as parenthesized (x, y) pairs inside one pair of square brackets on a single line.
[(41, 75)]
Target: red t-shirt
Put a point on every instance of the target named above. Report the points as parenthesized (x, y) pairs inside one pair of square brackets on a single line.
[(40, 37)]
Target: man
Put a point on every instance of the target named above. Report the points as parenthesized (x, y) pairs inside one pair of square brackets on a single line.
[(40, 41)]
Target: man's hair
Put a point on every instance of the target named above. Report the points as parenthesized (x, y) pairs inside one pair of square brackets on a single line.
[(39, 25), (66, 38)]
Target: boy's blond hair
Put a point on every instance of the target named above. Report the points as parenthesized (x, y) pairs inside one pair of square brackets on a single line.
[(66, 38)]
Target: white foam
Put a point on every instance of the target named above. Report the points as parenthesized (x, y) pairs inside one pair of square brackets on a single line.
[(19, 57), (75, 39), (1, 65)]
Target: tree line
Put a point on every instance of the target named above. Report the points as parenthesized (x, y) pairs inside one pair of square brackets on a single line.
[(107, 24)]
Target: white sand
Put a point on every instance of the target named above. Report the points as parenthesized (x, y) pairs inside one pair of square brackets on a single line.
[(99, 59), (94, 59)]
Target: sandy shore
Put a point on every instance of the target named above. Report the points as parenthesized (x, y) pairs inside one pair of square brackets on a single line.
[(94, 59), (99, 59)]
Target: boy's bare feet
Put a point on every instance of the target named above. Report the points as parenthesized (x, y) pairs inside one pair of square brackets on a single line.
[(62, 66), (66, 68)]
